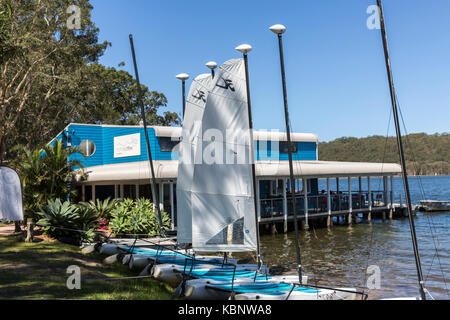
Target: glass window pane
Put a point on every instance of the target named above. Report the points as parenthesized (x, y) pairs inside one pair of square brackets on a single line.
[(104, 192), (87, 148), (129, 191)]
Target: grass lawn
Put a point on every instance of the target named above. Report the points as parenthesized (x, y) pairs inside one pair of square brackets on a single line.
[(38, 271)]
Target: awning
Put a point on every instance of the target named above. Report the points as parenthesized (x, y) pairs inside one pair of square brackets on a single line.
[(322, 169), (139, 172), (175, 132)]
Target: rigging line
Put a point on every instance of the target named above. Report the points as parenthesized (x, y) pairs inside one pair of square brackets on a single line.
[(429, 270), (422, 189), (385, 148), (368, 258), (430, 224), (379, 185)]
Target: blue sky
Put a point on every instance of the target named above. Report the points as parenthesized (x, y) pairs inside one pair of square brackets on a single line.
[(336, 76)]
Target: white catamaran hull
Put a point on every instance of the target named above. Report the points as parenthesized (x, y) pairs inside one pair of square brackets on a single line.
[(110, 249), (198, 289), (172, 274), (323, 294), (139, 261)]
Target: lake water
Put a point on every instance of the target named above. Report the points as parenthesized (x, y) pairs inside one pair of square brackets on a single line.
[(340, 256)]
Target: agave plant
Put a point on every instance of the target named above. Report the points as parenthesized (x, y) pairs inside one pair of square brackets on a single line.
[(64, 219), (103, 208), (58, 219)]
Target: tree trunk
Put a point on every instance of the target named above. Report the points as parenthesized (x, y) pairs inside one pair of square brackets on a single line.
[(17, 226)]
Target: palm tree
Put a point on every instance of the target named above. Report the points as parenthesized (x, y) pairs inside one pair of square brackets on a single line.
[(60, 170), (46, 173)]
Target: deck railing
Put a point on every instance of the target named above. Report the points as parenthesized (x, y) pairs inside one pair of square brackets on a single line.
[(274, 207)]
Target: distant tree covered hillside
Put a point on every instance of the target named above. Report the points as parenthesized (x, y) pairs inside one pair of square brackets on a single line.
[(425, 154)]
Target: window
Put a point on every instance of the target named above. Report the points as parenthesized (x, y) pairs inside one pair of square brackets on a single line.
[(168, 144), (129, 191), (105, 192), (284, 147), (87, 148), (276, 187), (145, 191), (87, 193)]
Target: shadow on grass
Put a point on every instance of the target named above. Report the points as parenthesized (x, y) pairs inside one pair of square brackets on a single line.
[(38, 271)]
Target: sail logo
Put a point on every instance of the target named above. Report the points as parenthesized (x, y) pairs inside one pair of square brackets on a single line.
[(228, 84), (200, 95)]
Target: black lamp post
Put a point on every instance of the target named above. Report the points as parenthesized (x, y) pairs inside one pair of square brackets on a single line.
[(183, 77), (212, 66), (279, 29), (245, 49)]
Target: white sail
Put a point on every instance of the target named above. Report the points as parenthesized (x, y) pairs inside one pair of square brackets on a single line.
[(222, 199), (11, 208), (195, 105)]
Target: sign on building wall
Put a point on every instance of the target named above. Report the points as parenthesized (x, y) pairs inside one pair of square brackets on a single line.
[(127, 146)]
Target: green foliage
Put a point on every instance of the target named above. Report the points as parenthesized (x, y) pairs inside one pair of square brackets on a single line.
[(5, 25), (137, 217), (107, 95), (66, 220), (102, 208), (425, 154), (50, 76), (46, 173)]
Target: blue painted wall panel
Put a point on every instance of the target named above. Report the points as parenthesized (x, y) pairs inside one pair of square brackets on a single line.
[(103, 137)]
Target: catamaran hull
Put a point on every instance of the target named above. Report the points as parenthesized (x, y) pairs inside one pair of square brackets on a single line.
[(172, 274), (324, 294), (403, 298), (110, 249), (139, 261), (197, 289)]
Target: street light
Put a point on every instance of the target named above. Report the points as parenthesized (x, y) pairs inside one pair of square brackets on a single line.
[(211, 65), (279, 29), (183, 77)]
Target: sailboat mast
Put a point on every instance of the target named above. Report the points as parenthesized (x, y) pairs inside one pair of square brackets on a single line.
[(252, 152), (279, 30), (153, 181), (400, 148)]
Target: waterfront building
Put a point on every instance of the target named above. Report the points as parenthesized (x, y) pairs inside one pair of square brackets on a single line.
[(116, 163)]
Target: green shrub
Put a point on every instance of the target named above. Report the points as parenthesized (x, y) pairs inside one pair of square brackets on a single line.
[(103, 208), (63, 220), (137, 217)]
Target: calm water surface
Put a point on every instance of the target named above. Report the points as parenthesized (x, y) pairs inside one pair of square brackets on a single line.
[(340, 256)]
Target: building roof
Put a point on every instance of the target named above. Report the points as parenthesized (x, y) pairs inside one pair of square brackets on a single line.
[(168, 169)]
